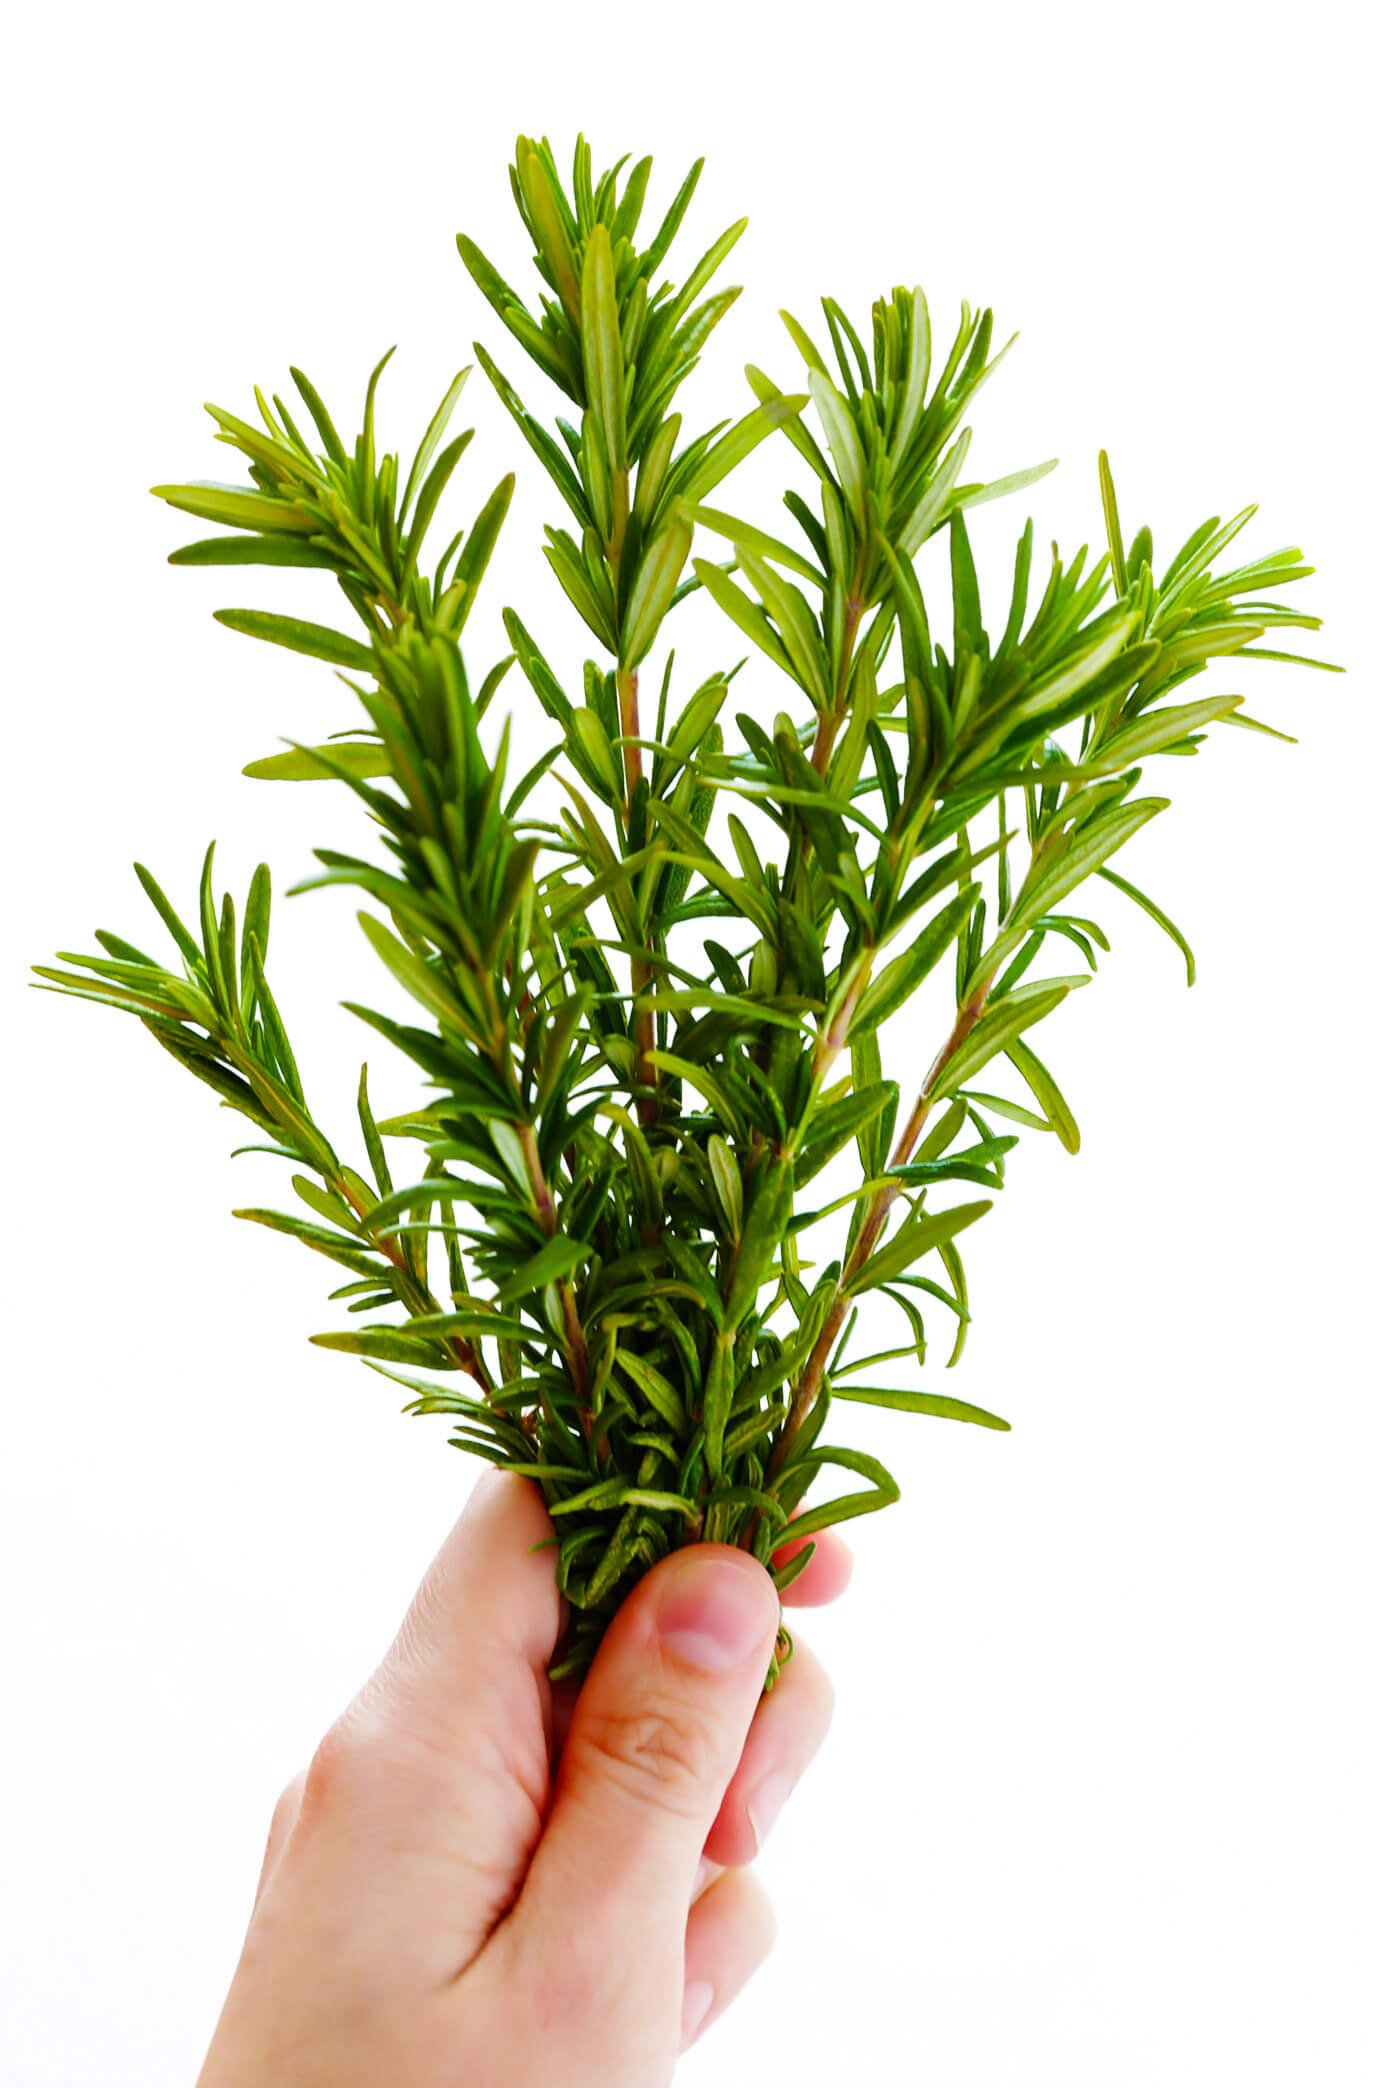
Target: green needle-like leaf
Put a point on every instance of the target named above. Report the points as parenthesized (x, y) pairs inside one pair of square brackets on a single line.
[(680, 1154)]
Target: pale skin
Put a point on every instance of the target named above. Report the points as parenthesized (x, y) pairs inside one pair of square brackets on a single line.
[(480, 1878)]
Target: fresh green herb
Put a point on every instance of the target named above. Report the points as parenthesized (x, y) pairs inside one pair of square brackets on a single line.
[(651, 974)]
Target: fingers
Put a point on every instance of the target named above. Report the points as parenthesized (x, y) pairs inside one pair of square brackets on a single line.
[(823, 1578), (655, 1737), (437, 1776), (825, 1575), (789, 1726), (728, 1936), (487, 1611)]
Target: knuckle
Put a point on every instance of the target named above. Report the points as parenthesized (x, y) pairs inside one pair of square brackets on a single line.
[(286, 1810), (751, 1915), (354, 1758), (285, 1818), (661, 1752)]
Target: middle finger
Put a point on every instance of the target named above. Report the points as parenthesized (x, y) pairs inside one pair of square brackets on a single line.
[(789, 1726)]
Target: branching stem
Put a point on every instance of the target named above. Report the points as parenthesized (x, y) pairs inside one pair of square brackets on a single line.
[(877, 1216), (872, 1226), (415, 1294)]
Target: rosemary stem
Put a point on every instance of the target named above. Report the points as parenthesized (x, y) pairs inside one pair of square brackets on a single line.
[(872, 1226), (416, 1294)]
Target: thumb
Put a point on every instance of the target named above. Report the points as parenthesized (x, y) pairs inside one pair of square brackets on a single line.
[(655, 1738)]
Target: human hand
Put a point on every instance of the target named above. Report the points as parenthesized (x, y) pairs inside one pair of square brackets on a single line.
[(483, 1879)]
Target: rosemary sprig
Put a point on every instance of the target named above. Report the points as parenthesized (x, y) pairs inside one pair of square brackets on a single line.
[(653, 971)]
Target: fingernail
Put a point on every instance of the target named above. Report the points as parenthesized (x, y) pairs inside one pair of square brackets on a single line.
[(696, 2006), (715, 1614), (766, 1802)]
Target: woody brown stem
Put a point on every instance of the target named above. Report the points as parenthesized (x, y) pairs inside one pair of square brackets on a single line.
[(627, 682), (829, 722), (465, 1354), (872, 1226)]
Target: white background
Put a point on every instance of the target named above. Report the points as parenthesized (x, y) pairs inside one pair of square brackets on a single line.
[(1106, 1801)]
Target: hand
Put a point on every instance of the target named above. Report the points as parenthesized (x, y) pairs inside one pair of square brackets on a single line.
[(481, 1879)]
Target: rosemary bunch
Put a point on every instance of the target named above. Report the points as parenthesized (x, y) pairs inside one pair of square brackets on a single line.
[(660, 1164)]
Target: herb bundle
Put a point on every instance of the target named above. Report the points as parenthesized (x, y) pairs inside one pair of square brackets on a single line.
[(660, 1166)]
